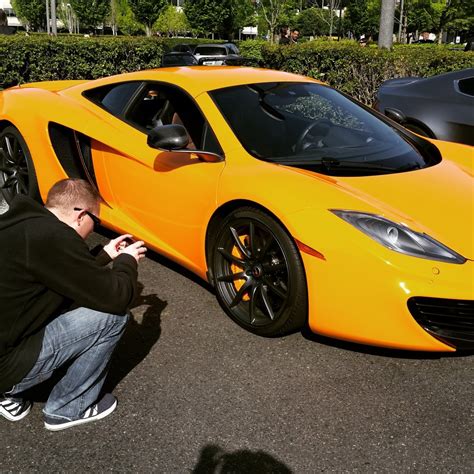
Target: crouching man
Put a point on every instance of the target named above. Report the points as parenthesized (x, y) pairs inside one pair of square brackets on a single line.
[(60, 306)]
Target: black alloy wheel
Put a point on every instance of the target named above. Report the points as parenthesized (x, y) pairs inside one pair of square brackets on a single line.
[(258, 274), (17, 174)]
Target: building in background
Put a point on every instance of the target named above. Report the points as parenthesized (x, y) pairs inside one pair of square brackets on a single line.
[(178, 4), (6, 6)]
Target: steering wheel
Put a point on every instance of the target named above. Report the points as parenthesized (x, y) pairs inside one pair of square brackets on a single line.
[(321, 126)]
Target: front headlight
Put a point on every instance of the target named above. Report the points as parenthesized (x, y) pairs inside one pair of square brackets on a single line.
[(399, 237)]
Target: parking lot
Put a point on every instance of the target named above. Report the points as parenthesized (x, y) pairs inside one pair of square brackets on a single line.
[(198, 394)]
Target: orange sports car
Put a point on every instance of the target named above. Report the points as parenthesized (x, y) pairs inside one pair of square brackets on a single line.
[(299, 205)]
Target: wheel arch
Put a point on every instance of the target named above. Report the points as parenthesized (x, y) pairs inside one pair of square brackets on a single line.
[(219, 215), (6, 123), (30, 186), (419, 124)]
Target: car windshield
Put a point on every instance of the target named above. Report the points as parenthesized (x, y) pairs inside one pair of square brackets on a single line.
[(210, 50), (312, 126)]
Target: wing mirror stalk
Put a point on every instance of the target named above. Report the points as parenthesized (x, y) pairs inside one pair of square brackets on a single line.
[(174, 138), (396, 115)]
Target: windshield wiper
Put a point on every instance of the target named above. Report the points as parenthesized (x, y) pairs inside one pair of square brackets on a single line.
[(333, 164)]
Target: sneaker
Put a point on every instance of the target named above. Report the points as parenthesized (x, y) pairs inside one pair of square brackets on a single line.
[(14, 409), (106, 405)]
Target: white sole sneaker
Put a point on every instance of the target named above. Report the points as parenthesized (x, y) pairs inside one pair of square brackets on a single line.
[(13, 410), (92, 414)]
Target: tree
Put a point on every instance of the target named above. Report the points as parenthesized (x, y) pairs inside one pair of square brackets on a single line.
[(67, 16), (271, 11), (362, 17), (242, 13), (147, 12), (387, 16), (420, 15), (208, 16), (172, 21), (31, 12), (91, 13), (122, 18), (313, 22), (457, 16), (327, 11)]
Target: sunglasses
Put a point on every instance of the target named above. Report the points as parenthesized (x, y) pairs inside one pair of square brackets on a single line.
[(95, 219)]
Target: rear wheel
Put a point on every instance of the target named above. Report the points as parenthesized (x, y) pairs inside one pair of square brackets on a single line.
[(258, 274), (17, 173)]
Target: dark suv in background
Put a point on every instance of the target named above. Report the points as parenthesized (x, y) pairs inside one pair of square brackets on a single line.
[(203, 54)]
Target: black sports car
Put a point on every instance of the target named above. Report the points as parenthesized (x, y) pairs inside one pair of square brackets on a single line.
[(439, 107)]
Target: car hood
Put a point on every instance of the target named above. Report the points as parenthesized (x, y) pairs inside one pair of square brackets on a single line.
[(438, 201)]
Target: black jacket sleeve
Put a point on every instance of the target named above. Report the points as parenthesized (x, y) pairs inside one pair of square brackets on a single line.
[(61, 261)]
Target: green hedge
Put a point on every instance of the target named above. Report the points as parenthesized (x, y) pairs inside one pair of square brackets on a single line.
[(41, 58), (344, 65), (353, 69)]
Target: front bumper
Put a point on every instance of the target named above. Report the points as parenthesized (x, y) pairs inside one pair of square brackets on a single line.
[(364, 297)]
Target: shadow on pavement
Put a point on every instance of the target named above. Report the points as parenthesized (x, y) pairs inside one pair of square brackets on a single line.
[(215, 460), (141, 334)]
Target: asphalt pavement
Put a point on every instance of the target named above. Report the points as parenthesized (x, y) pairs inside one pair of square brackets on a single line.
[(199, 394)]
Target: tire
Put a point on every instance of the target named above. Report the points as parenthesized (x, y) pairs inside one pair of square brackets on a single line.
[(258, 274), (17, 172)]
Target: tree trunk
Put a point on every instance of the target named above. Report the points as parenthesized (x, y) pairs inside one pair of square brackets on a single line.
[(386, 24), (48, 24), (54, 23)]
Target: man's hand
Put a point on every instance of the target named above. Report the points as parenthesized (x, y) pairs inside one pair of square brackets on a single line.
[(115, 246), (136, 250)]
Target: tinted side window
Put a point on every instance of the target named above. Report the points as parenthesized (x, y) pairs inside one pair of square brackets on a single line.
[(114, 98), (466, 86), (232, 49), (159, 104)]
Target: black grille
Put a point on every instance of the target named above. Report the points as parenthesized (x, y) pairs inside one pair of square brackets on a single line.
[(452, 321)]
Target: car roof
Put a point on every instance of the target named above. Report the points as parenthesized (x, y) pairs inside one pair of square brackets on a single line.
[(197, 79), (211, 45)]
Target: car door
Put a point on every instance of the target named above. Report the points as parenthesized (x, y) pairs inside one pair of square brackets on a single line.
[(165, 198)]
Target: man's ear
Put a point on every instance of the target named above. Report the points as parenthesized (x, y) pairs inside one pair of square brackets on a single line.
[(78, 218)]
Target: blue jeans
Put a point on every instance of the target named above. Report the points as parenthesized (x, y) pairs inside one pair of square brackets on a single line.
[(83, 339)]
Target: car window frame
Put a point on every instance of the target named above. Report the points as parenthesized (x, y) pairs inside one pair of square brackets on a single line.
[(136, 96), (117, 84)]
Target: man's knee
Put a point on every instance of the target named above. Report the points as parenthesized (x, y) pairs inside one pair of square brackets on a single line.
[(85, 320), (114, 323)]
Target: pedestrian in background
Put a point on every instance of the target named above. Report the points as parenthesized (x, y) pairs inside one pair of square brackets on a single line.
[(284, 37), (294, 35)]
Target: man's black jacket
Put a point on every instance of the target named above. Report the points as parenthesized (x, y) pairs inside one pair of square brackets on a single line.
[(46, 266)]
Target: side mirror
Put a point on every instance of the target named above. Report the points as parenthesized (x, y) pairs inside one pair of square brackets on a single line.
[(168, 137), (396, 115), (174, 138)]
